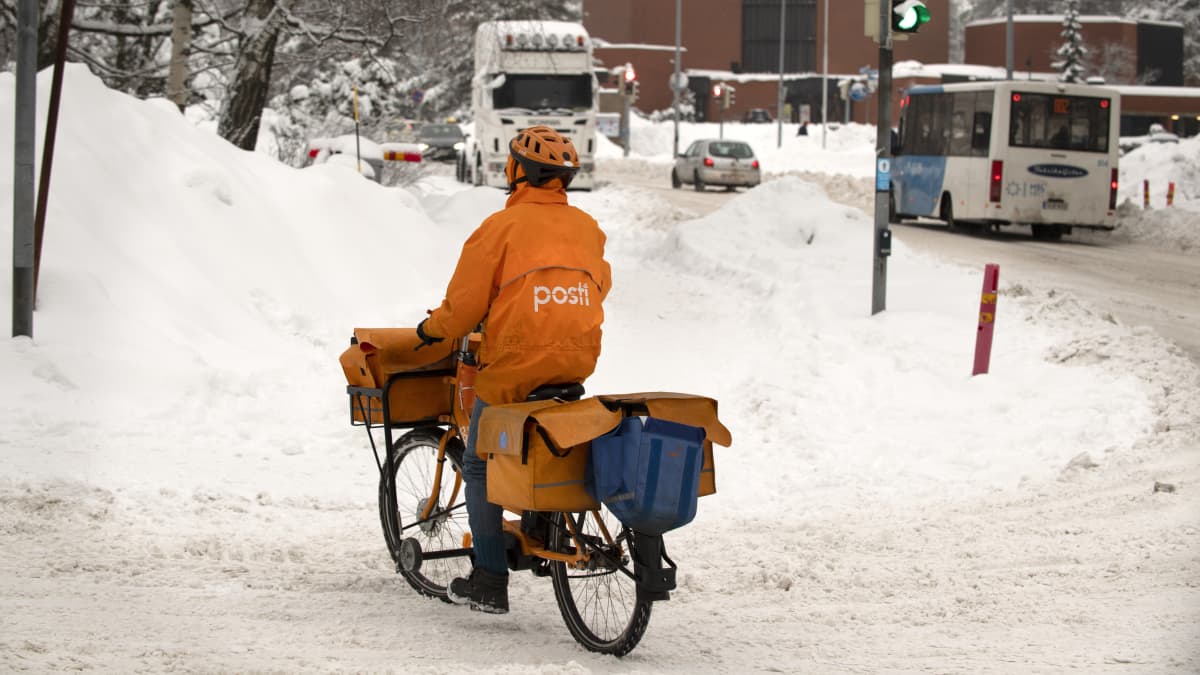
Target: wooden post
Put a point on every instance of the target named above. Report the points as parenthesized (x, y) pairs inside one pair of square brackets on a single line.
[(987, 319)]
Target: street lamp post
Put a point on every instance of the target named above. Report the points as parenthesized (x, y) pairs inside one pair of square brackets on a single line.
[(675, 88), (779, 109)]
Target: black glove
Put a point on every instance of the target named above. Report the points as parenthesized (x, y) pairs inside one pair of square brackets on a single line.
[(426, 339)]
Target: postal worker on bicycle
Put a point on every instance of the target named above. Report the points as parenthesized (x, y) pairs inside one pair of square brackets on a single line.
[(534, 276)]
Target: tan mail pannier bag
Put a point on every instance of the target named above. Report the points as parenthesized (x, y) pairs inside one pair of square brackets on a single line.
[(417, 382), (537, 451)]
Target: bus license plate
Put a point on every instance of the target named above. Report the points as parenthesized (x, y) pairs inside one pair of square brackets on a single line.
[(1054, 204)]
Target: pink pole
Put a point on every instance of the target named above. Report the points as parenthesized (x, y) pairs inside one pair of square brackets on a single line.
[(987, 319)]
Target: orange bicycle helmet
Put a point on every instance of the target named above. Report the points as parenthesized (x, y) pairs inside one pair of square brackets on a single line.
[(543, 154)]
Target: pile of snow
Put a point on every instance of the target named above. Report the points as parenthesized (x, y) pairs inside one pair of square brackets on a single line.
[(849, 148), (177, 442), (1161, 164)]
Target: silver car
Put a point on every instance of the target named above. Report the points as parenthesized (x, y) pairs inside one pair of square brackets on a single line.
[(716, 162)]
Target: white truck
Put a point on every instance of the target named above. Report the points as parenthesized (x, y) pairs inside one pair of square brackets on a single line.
[(529, 73)]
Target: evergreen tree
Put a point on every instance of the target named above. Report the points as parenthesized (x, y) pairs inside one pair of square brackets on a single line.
[(1072, 52)]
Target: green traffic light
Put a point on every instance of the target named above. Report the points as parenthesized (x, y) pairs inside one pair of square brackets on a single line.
[(912, 16)]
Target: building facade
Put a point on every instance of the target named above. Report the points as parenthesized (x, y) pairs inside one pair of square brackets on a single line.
[(737, 41), (1122, 51)]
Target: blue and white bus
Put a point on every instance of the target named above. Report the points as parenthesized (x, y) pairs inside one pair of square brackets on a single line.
[(1009, 153)]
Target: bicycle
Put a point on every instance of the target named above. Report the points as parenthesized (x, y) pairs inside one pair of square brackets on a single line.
[(606, 576)]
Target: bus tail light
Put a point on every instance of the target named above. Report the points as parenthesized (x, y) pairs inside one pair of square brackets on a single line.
[(997, 181), (1112, 191)]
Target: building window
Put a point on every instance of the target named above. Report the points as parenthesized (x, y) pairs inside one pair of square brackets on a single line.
[(760, 36)]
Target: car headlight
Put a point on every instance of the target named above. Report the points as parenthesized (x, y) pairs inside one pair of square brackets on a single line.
[(459, 145), (423, 146)]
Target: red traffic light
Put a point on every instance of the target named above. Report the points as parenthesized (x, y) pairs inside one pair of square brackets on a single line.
[(630, 75), (717, 90)]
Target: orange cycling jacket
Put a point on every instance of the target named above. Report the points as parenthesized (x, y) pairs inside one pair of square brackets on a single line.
[(534, 274)]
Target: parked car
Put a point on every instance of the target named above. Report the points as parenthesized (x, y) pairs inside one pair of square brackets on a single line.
[(757, 116), (360, 154), (440, 141), (716, 162)]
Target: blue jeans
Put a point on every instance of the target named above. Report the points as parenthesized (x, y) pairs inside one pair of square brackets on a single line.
[(485, 518)]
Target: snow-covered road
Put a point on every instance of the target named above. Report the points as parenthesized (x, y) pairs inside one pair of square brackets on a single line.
[(181, 491)]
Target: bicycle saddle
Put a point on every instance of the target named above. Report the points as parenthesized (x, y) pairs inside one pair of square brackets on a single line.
[(572, 391)]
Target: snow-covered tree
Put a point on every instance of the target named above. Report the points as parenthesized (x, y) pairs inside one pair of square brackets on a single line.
[(325, 106), (1071, 53)]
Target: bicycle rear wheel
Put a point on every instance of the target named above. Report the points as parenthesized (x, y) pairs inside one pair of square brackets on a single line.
[(405, 494), (600, 603)]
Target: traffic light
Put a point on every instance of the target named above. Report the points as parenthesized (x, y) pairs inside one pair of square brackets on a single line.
[(630, 86), (727, 97), (717, 92), (634, 96), (908, 15)]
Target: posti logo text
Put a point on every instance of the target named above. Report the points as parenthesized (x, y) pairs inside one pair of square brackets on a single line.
[(575, 295)]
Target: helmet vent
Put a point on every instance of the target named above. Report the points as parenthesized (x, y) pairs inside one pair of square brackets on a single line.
[(537, 147)]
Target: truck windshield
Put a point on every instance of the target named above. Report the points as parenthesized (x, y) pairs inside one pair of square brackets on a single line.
[(544, 92)]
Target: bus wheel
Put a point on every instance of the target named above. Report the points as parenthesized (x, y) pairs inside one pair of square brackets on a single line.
[(1047, 232), (947, 213)]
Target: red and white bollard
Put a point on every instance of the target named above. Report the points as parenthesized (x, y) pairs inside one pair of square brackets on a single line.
[(1170, 194), (987, 319), (1145, 194)]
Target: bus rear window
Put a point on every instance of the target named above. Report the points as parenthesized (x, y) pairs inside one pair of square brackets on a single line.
[(1059, 122)]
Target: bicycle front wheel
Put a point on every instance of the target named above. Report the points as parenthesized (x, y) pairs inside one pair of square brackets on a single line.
[(599, 602), (416, 501)]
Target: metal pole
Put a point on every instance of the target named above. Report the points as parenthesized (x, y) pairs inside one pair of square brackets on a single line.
[(625, 121), (43, 194), (678, 73), (779, 109), (825, 78), (721, 113), (357, 142), (23, 153), (1008, 43), (881, 246)]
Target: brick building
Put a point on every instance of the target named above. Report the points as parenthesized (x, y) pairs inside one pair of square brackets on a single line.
[(737, 41), (1144, 59), (1122, 51)]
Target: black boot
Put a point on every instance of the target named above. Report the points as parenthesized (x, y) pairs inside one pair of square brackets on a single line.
[(486, 592)]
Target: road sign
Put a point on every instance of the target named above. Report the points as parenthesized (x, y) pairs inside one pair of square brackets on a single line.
[(679, 84)]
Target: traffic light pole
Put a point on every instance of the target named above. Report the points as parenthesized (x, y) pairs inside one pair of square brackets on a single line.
[(881, 244), (625, 124)]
